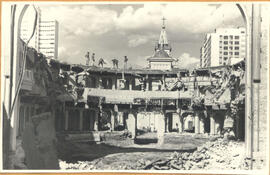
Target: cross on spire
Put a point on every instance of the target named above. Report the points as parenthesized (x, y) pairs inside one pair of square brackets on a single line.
[(163, 19)]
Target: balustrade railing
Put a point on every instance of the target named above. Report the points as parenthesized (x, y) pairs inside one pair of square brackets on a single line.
[(128, 96)]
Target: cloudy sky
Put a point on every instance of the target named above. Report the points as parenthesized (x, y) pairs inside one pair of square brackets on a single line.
[(115, 30)]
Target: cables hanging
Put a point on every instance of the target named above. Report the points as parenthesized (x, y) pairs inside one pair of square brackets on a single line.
[(22, 69)]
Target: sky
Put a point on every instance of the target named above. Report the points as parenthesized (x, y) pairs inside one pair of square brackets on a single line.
[(115, 30)]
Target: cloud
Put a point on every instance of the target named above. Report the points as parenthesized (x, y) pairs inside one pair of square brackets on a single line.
[(61, 50), (187, 61), (82, 20), (188, 17), (136, 40), (133, 29)]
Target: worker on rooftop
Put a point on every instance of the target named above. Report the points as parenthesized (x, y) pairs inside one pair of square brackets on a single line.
[(101, 62), (87, 56), (115, 63), (93, 59), (125, 62)]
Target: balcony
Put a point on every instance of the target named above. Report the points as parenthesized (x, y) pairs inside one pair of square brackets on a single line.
[(128, 96)]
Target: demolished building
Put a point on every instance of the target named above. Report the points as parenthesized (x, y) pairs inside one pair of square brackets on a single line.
[(77, 101)]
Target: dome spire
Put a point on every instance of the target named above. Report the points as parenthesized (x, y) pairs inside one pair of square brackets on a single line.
[(163, 40), (163, 23), (163, 43)]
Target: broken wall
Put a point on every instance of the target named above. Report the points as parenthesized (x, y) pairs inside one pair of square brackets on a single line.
[(39, 142)]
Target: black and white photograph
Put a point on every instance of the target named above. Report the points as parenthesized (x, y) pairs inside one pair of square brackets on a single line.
[(143, 87)]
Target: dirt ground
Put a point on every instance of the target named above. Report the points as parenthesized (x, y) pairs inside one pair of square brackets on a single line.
[(103, 156), (179, 152)]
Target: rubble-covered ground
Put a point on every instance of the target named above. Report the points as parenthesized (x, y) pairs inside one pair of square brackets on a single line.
[(211, 154)]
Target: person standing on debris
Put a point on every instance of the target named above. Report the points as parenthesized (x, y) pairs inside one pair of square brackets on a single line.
[(101, 62), (115, 63), (93, 59), (87, 56)]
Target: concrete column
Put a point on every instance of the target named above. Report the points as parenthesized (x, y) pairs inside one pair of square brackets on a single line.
[(116, 85), (163, 79), (201, 124), (66, 120), (81, 120), (150, 84), (161, 128), (113, 83), (166, 123), (212, 124), (131, 124), (99, 82), (147, 83), (96, 121), (197, 123), (130, 84), (180, 123), (112, 120), (217, 127)]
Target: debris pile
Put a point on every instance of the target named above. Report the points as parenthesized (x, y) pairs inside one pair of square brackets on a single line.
[(213, 155), (178, 161)]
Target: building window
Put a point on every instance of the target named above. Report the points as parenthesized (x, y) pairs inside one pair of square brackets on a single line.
[(236, 42), (225, 58), (236, 53), (225, 53), (236, 37), (225, 48), (225, 37), (225, 42), (231, 37), (236, 48)]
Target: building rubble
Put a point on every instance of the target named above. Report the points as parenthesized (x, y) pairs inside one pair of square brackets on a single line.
[(217, 154)]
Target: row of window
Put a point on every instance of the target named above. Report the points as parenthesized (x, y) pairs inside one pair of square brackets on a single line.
[(46, 48), (46, 34), (43, 43), (231, 37), (231, 53), (52, 30), (226, 58), (231, 42), (231, 48), (46, 38), (52, 26)]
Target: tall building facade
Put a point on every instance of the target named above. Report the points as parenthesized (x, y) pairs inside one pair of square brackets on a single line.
[(48, 38), (45, 38), (225, 46)]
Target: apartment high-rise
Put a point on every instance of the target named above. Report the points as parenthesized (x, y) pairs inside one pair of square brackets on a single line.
[(225, 46), (45, 39), (48, 38)]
